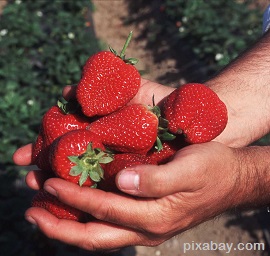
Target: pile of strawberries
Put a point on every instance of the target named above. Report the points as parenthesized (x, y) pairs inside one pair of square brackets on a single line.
[(88, 140)]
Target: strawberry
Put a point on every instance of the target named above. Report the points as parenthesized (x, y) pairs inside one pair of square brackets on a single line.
[(120, 162), (169, 148), (55, 122), (78, 156), (133, 129), (196, 111), (109, 81), (59, 120), (40, 153), (62, 211)]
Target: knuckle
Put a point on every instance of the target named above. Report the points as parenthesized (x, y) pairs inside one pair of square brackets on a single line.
[(152, 242), (162, 230), (90, 246), (159, 227), (104, 210), (88, 242)]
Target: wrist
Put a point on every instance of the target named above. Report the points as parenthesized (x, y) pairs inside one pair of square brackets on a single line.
[(237, 132), (247, 122), (244, 87), (253, 169)]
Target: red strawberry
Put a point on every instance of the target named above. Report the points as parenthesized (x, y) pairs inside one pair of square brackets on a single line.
[(196, 111), (40, 154), (62, 211), (131, 129), (78, 156), (169, 148), (108, 82), (56, 121), (120, 162)]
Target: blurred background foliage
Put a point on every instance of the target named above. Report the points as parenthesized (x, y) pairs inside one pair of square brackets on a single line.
[(216, 31), (204, 35), (43, 47)]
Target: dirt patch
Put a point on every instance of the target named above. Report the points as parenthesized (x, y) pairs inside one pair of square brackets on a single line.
[(2, 5), (113, 31)]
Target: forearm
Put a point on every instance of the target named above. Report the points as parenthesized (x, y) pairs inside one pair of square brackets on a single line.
[(244, 86), (254, 177)]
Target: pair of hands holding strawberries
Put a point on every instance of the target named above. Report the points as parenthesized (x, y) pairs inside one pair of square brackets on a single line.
[(171, 197), (159, 201)]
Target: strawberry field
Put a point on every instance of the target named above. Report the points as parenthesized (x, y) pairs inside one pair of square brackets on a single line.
[(44, 47), (204, 35)]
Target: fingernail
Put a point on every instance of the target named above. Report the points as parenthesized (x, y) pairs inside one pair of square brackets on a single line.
[(50, 190), (129, 180), (30, 219)]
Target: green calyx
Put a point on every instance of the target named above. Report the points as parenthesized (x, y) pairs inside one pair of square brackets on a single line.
[(69, 107), (88, 164), (163, 133), (163, 130), (131, 61)]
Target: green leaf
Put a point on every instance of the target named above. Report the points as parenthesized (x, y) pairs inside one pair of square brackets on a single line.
[(94, 186), (94, 176), (89, 147), (167, 136), (83, 178), (74, 159), (132, 61), (113, 51), (75, 171), (105, 160), (159, 146), (100, 171)]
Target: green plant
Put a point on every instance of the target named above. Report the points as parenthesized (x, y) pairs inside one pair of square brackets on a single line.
[(216, 30), (43, 47)]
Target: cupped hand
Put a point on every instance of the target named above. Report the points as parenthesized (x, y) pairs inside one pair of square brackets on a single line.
[(198, 184), (201, 182)]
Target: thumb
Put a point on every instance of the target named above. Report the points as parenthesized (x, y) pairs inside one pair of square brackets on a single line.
[(23, 155), (157, 181)]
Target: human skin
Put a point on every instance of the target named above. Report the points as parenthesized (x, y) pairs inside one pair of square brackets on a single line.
[(201, 182)]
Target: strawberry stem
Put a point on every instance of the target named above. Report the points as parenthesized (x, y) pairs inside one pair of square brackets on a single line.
[(122, 53), (131, 61)]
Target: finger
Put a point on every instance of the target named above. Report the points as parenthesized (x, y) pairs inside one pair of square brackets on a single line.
[(90, 236), (191, 169), (23, 155), (35, 179), (69, 92), (178, 175), (110, 207), (148, 89), (152, 181)]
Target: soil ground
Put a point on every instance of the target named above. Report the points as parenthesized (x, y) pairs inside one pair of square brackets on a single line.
[(111, 28), (245, 227)]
